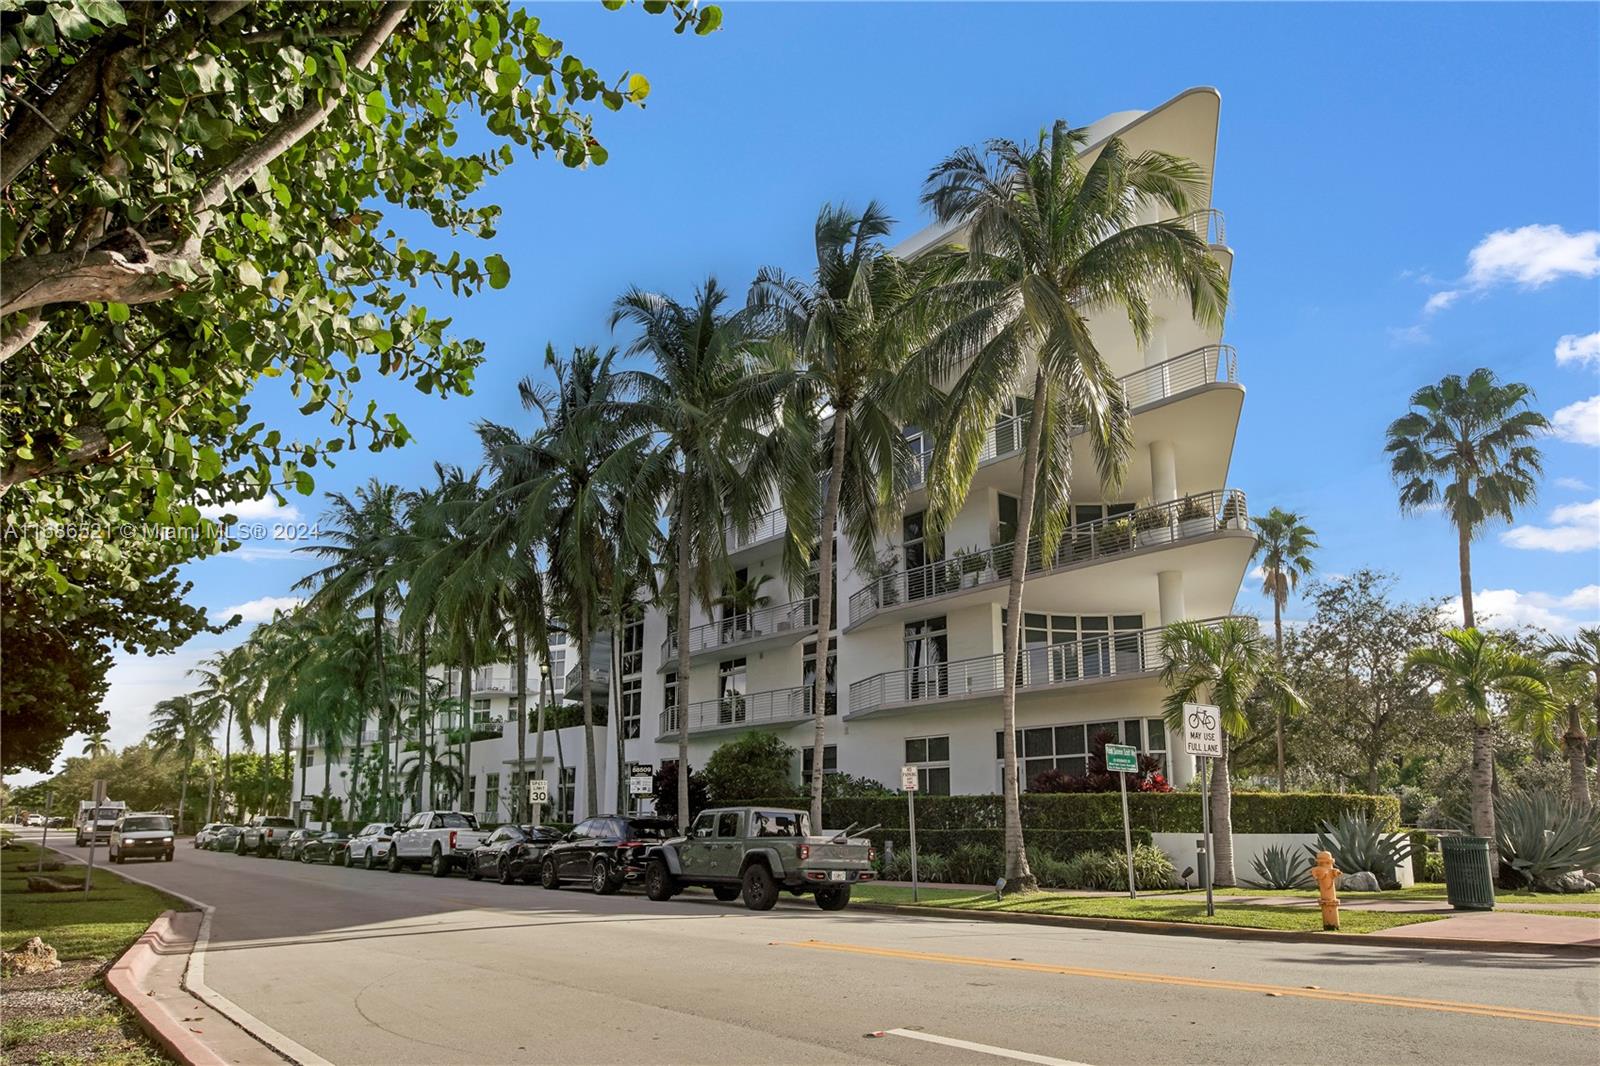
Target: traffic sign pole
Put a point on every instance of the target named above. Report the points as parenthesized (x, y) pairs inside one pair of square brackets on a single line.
[(1202, 738), (1205, 833), (94, 826), (45, 840), (908, 782), (1123, 759)]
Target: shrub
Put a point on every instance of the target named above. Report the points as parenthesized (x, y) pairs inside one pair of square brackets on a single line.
[(847, 786), (975, 864), (666, 786), (930, 867), (1098, 779), (1051, 871), (1432, 868), (1279, 867), (1058, 844), (1152, 868), (1541, 837), (756, 764), (1360, 845), (1094, 870), (1107, 871)]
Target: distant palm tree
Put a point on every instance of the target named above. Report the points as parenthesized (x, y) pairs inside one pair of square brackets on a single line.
[(220, 675), (183, 726), (1580, 654), (1468, 447), (1049, 240), (1284, 544), (96, 745), (1221, 664), (1475, 674)]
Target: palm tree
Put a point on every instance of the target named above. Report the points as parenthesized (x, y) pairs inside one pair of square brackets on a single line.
[(219, 675), (1284, 544), (361, 572), (1051, 237), (96, 746), (181, 725), (1467, 446), (1475, 674), (1221, 664), (1580, 654), (843, 339), (707, 409)]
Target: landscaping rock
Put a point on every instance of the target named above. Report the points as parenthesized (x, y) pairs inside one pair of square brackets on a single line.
[(1359, 882), (1571, 881), (31, 956), (50, 884), (1593, 877)]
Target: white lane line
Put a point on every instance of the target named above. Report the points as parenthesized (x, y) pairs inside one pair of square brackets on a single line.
[(984, 1049)]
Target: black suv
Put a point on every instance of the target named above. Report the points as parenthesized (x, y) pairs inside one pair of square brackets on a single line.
[(605, 852), (512, 853)]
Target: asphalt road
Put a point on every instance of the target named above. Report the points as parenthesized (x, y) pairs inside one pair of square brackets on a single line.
[(373, 967)]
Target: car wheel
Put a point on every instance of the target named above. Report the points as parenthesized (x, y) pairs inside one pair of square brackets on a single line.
[(394, 860), (503, 871), (600, 879), (659, 884), (833, 899), (760, 890), (238, 846), (548, 876), (439, 866), (305, 857), (725, 893), (169, 856), (473, 873)]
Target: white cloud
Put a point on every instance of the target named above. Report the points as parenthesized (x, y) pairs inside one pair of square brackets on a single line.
[(1440, 300), (1574, 527), (250, 510), (260, 610), (1408, 335), (1533, 256), (1579, 422), (1508, 607), (1580, 350), (1257, 574), (1576, 484)]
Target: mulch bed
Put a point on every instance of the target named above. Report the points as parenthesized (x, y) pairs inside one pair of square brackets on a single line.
[(99, 1031)]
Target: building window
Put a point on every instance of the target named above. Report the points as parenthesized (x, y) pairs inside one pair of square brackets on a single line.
[(633, 646), (558, 667), (472, 794), (1006, 510), (669, 703), (491, 796), (1011, 425), (632, 703), (920, 578), (1066, 747), (566, 795), (830, 760), (306, 759), (732, 684), (480, 710), (927, 659), (808, 676), (931, 757), (813, 591), (1064, 647)]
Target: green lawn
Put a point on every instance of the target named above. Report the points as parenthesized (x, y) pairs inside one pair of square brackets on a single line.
[(1158, 908), (101, 926)]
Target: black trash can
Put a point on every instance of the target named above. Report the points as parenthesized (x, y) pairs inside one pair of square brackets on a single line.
[(1468, 878)]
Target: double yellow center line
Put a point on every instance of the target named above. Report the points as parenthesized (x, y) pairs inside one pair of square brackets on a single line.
[(1483, 1010)]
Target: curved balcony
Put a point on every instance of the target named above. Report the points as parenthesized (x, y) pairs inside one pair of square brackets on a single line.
[(1163, 525), (599, 679), (768, 527), (765, 627), (741, 711), (1114, 657), (1212, 364), (1211, 226)]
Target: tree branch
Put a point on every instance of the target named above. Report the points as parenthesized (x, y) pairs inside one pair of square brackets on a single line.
[(19, 337)]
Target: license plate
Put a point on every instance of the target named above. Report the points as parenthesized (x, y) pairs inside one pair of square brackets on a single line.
[(838, 875)]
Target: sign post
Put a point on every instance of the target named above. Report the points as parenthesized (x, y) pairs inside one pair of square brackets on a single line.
[(45, 840), (908, 785), (94, 826), (1122, 760), (1202, 738)]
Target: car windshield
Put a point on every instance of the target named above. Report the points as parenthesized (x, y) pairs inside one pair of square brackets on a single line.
[(108, 814), (135, 825), (781, 824), (278, 823), (453, 820)]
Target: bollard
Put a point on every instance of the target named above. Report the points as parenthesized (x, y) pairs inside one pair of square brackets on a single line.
[(1327, 877)]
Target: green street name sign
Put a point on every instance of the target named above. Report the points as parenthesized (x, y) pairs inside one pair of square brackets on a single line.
[(1122, 758)]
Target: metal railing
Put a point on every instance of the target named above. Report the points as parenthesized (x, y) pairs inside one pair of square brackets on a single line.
[(748, 708), (743, 628), (599, 674), (1209, 225), (1106, 657), (1163, 523), (769, 526), (1193, 369)]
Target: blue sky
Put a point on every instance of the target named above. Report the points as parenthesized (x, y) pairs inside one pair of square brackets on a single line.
[(1371, 157)]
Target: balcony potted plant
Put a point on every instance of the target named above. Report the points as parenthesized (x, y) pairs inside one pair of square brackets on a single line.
[(1153, 524), (971, 563), (1234, 515), (1195, 518), (881, 575), (1115, 536)]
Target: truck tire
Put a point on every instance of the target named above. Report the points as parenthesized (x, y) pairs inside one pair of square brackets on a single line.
[(725, 893), (548, 878), (600, 879), (659, 884), (760, 888), (439, 866), (833, 899)]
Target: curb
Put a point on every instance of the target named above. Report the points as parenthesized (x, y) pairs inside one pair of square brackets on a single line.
[(127, 977), (1221, 932)]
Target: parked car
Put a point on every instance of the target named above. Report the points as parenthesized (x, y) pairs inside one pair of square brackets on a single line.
[(208, 833), (225, 838), (297, 839), (605, 852), (370, 847), (329, 847), (141, 836), (758, 852), (444, 840), (263, 835), (512, 853), (36, 820)]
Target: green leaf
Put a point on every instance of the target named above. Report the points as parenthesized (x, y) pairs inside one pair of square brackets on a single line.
[(117, 312), (249, 275), (304, 483), (638, 87), (710, 21), (499, 272)]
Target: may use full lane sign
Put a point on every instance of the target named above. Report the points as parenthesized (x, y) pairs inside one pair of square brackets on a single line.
[(1202, 730)]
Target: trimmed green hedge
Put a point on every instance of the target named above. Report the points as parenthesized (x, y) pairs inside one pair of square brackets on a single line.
[(1152, 812), (1058, 843)]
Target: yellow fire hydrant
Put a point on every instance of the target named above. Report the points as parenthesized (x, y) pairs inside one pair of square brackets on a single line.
[(1327, 877)]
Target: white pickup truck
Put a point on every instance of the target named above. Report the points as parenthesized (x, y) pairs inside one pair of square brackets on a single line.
[(442, 840)]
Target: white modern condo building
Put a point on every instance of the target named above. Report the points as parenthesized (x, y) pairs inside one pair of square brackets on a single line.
[(915, 655)]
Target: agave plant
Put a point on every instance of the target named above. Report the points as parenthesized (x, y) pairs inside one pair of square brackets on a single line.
[(1280, 866), (1540, 837), (1359, 845)]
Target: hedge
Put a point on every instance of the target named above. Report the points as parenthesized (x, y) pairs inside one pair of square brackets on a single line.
[(1057, 843), (1152, 812)]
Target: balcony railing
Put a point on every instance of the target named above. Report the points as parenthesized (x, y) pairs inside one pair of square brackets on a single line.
[(740, 629), (599, 674), (1210, 225), (1104, 538), (749, 708), (1147, 385), (769, 526), (1115, 655)]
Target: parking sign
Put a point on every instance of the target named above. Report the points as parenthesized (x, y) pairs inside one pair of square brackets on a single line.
[(908, 779)]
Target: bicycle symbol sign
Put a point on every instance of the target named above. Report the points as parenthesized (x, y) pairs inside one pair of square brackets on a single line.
[(1202, 730)]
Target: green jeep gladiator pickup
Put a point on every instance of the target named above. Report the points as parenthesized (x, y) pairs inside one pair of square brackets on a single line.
[(759, 852)]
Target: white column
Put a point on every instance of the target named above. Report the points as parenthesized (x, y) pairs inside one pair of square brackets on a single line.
[(1163, 471), (1169, 589)]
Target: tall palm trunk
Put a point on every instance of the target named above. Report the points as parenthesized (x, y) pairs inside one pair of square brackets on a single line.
[(825, 564), (1577, 755), (682, 701), (468, 786), (211, 793), (591, 790), (1222, 820), (183, 786), (304, 747), (521, 804), (383, 705), (327, 778), (1481, 778), (1019, 877), (538, 741), (617, 724), (424, 732), (1597, 730), (1277, 631), (227, 761), (266, 772), (1464, 558)]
